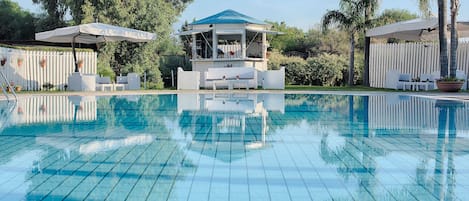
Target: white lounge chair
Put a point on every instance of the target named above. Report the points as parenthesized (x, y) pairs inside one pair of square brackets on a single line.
[(462, 75)]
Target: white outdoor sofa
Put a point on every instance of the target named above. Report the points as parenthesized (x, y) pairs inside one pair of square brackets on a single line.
[(231, 77), (129, 82), (104, 83)]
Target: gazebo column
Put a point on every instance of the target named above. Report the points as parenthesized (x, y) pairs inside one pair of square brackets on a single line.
[(194, 47), (243, 44), (214, 44), (264, 45)]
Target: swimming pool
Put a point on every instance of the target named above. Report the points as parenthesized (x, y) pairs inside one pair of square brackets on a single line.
[(255, 146)]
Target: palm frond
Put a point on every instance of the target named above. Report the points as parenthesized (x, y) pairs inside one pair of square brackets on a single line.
[(424, 7), (334, 17)]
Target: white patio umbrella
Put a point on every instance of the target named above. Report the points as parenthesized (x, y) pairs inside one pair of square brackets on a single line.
[(415, 30), (93, 33)]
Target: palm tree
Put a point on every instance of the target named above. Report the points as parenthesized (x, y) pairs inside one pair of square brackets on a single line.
[(348, 18), (442, 13), (354, 16), (454, 37), (443, 38), (370, 9)]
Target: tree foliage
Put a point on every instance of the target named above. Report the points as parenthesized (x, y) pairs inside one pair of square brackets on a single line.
[(17, 24), (54, 15), (291, 41), (154, 16), (389, 16), (351, 19)]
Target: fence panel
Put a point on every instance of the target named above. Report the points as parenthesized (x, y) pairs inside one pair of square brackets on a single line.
[(412, 58), (32, 69)]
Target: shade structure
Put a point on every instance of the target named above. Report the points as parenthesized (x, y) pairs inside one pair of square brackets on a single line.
[(93, 33), (229, 17), (414, 30)]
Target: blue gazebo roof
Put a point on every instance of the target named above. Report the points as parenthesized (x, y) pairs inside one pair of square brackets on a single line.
[(228, 17)]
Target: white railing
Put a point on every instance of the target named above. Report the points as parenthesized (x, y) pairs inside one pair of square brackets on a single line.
[(230, 51), (412, 58), (32, 69)]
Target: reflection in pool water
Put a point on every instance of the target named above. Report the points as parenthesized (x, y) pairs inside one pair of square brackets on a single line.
[(235, 146)]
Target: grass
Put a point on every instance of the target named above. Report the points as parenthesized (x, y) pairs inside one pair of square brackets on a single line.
[(335, 88)]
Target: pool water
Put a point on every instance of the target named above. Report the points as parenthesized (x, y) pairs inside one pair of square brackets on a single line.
[(270, 146)]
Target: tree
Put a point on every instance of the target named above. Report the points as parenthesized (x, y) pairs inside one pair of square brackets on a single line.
[(334, 42), (54, 16), (442, 35), (442, 38), (454, 38), (154, 16), (290, 41), (350, 18), (16, 23), (390, 16)]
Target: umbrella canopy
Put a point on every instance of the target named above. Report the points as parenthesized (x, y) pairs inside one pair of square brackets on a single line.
[(93, 33), (415, 30)]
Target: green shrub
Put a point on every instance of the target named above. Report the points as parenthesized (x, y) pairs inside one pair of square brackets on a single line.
[(294, 67), (326, 70)]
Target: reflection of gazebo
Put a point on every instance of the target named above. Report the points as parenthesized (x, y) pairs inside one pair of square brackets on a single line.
[(225, 126), (228, 39)]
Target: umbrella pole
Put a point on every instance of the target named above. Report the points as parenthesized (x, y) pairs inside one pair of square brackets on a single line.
[(74, 54)]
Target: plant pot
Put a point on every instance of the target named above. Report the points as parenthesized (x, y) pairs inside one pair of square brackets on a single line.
[(449, 86), (3, 61), (80, 64), (20, 62), (42, 63)]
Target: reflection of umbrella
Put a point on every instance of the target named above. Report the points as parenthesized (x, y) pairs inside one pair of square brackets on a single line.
[(93, 33), (416, 30)]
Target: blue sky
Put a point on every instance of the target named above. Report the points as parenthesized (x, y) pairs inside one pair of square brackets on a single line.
[(304, 14)]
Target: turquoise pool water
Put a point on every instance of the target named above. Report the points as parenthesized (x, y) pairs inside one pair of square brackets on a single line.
[(235, 147)]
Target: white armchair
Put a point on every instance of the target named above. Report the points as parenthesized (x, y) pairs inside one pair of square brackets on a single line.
[(396, 80)]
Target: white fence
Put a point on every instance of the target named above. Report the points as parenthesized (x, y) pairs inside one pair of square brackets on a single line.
[(32, 69), (412, 58)]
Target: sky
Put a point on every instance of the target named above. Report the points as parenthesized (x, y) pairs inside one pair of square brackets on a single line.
[(304, 14)]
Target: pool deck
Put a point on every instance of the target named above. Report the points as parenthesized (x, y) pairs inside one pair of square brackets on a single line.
[(460, 96)]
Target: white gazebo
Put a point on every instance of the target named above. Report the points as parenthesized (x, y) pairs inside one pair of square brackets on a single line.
[(228, 40)]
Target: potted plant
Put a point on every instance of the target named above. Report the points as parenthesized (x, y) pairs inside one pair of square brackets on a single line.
[(42, 63), (18, 88), (20, 62), (80, 63), (3, 61), (10, 87), (449, 84)]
